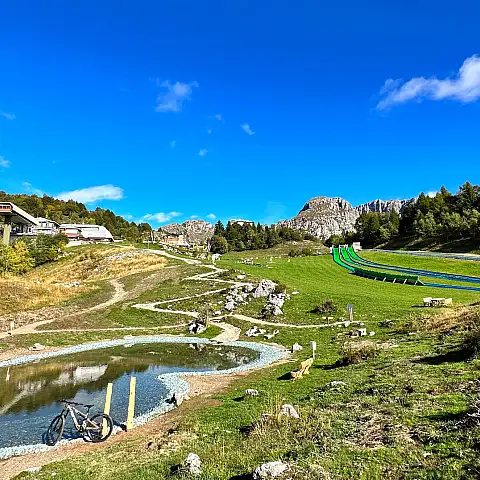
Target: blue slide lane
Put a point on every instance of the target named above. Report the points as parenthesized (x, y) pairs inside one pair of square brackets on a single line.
[(349, 259), (424, 273)]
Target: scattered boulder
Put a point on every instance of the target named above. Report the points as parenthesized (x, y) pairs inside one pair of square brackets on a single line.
[(264, 289), (230, 305), (37, 347), (248, 288), (288, 410), (274, 304), (196, 328), (193, 464), (372, 333), (251, 331), (270, 470), (269, 336), (336, 384), (179, 398), (296, 347), (251, 392)]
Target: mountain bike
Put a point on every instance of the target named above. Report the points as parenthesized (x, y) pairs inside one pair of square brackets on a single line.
[(96, 429)]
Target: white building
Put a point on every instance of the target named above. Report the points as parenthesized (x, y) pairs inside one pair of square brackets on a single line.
[(85, 232), (46, 227), (241, 222)]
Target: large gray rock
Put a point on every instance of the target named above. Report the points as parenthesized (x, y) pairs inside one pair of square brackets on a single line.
[(264, 289), (192, 464), (270, 470), (196, 232), (324, 216), (288, 410)]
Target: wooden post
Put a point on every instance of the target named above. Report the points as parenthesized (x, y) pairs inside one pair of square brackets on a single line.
[(12, 327), (106, 409), (131, 403)]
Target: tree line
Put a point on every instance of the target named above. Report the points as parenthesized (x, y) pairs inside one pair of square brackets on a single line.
[(249, 236), (441, 217), (62, 211), (30, 252)]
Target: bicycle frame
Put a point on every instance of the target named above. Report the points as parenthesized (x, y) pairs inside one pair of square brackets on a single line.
[(83, 427)]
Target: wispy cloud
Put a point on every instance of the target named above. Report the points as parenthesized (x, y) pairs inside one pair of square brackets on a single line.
[(463, 87), (173, 144), (175, 95), (209, 131), (9, 116), (217, 116), (4, 163), (193, 217), (161, 217), (246, 128), (203, 152), (211, 216), (30, 189), (93, 194)]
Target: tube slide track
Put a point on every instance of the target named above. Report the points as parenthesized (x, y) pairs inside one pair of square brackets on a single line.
[(356, 259), (349, 259)]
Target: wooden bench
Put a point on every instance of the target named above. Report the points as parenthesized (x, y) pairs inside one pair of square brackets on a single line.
[(303, 369)]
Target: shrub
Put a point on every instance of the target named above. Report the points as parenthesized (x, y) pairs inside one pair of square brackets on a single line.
[(294, 252), (471, 343), (307, 252), (15, 259), (327, 306), (353, 353), (280, 288)]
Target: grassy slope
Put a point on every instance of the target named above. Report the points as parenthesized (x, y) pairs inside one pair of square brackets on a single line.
[(396, 417)]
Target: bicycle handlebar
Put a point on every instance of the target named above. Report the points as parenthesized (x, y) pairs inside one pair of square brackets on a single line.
[(69, 402)]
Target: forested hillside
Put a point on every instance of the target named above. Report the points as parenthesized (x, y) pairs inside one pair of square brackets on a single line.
[(75, 212), (441, 218)]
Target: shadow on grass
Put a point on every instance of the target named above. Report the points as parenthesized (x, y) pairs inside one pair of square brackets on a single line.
[(244, 476), (447, 417), (454, 356)]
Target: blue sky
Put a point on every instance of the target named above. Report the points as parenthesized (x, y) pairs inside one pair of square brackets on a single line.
[(237, 108)]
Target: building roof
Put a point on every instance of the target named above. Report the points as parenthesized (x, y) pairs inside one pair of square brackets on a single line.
[(17, 215), (41, 219)]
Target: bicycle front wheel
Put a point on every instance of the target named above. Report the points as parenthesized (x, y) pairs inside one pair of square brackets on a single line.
[(55, 430), (99, 427)]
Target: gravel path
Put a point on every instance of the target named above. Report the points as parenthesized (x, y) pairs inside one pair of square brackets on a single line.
[(289, 325)]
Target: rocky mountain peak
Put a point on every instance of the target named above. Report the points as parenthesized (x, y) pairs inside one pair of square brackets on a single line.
[(196, 232), (327, 216)]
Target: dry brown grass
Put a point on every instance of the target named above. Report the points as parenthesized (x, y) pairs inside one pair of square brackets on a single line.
[(20, 294), (464, 317), (43, 286)]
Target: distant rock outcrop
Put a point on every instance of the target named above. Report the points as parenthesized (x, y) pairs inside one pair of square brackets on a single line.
[(196, 232), (324, 216)]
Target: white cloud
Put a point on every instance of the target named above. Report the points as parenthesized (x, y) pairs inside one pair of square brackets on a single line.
[(218, 116), (93, 194), (29, 188), (203, 152), (463, 87), (193, 217), (4, 163), (173, 144), (9, 116), (432, 193), (209, 131), (161, 217), (177, 93), (211, 216), (246, 128)]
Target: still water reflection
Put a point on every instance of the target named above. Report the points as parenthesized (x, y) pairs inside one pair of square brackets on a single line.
[(29, 393)]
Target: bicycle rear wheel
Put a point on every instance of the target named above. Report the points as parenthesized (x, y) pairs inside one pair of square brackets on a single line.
[(55, 430), (99, 427)]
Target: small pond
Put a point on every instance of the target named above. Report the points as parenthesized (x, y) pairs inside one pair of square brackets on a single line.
[(29, 392)]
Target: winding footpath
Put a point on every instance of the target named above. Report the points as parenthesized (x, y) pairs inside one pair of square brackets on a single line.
[(229, 332)]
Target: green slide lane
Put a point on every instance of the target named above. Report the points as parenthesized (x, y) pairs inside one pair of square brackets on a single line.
[(339, 261)]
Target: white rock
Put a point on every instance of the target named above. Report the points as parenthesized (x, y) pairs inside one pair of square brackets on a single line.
[(270, 470), (193, 464), (372, 333), (296, 347), (251, 392), (288, 410), (251, 331), (37, 347), (336, 384), (362, 332), (295, 293), (264, 289), (230, 305)]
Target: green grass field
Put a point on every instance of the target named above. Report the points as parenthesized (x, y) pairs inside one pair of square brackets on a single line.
[(402, 414)]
